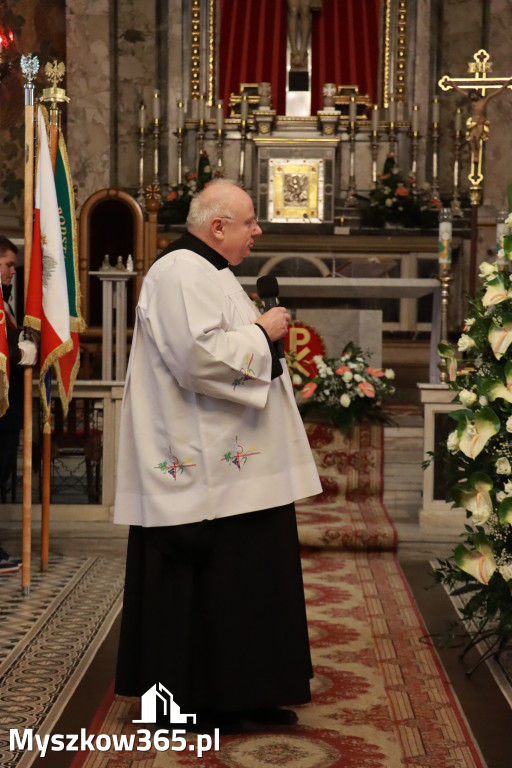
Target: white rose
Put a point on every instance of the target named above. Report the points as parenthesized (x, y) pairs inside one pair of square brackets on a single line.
[(296, 380), (469, 322), (506, 571), (452, 442), (466, 397), (483, 400), (508, 425), (347, 376), (503, 466), (501, 495), (486, 269), (508, 487), (465, 342), (357, 377), (389, 202), (327, 392), (345, 400), (389, 373)]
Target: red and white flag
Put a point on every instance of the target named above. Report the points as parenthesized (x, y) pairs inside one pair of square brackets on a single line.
[(47, 307), (4, 358)]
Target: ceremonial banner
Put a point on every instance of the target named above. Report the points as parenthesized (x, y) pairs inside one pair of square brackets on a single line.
[(47, 307), (66, 367), (4, 359)]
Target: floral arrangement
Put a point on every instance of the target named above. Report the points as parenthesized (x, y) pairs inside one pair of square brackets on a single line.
[(175, 207), (347, 390), (478, 459), (396, 199)]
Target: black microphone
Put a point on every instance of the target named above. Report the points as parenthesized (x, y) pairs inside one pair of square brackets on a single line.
[(268, 290)]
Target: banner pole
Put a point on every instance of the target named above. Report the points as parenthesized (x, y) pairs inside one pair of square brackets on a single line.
[(47, 436), (53, 95), (29, 67)]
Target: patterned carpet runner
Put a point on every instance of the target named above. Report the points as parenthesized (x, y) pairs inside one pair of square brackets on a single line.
[(380, 698), (349, 513)]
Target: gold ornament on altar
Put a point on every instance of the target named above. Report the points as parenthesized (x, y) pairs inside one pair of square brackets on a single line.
[(296, 190)]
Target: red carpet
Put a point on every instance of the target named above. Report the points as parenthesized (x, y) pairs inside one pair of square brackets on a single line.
[(380, 697), (349, 514)]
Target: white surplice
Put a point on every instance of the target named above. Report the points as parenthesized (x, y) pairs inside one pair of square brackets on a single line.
[(205, 432)]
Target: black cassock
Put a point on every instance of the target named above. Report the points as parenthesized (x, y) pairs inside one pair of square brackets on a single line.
[(215, 612)]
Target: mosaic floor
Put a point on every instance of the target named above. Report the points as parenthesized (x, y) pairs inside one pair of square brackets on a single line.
[(48, 639)]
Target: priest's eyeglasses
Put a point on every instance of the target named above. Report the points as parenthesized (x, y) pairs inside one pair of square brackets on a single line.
[(249, 223)]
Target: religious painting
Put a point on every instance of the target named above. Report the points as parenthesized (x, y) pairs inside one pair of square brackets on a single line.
[(296, 190)]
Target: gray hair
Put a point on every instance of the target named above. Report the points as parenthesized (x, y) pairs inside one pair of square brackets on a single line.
[(205, 207)]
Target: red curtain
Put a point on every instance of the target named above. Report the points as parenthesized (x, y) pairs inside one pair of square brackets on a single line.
[(344, 38), (345, 47), (253, 47)]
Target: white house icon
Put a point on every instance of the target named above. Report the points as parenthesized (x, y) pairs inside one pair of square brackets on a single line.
[(148, 704)]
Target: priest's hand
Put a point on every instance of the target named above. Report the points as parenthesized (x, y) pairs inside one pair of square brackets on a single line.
[(275, 322)]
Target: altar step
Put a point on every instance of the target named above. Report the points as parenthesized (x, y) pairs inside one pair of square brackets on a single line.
[(403, 475)]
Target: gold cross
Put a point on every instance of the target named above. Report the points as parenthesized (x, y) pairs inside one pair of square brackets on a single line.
[(481, 65), (477, 125)]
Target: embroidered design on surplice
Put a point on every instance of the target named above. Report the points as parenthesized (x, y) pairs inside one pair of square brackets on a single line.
[(174, 467), (245, 373), (238, 456)]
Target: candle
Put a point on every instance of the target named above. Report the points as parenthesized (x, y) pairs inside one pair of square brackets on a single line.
[(353, 109), (156, 105), (458, 120), (415, 118), (445, 236), (244, 108), (220, 115), (202, 108), (181, 115), (392, 110), (142, 116), (435, 111), (375, 118)]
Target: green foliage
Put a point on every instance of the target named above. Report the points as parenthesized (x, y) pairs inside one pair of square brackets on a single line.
[(397, 199), (346, 389), (177, 203), (478, 459)]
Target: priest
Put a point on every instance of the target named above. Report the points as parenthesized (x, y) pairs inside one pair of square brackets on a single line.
[(212, 456)]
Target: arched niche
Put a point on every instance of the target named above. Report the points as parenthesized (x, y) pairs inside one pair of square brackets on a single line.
[(111, 222)]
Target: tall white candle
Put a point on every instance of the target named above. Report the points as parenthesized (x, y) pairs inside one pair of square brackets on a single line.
[(244, 108), (458, 120), (392, 110), (181, 115), (352, 109), (435, 110), (202, 108), (375, 118), (220, 115), (415, 118), (142, 116), (156, 105)]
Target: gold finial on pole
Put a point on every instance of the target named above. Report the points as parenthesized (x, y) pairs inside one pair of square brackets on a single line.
[(54, 73)]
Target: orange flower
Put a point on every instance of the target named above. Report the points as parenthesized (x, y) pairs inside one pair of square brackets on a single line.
[(342, 369), (402, 191), (366, 388), (378, 372), (172, 195), (308, 390)]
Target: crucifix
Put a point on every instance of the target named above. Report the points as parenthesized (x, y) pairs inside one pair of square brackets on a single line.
[(477, 131)]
